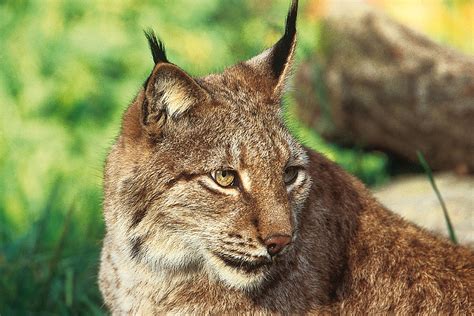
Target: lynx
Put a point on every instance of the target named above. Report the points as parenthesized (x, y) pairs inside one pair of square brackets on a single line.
[(212, 207)]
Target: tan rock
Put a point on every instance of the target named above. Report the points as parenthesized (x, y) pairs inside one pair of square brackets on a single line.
[(414, 199)]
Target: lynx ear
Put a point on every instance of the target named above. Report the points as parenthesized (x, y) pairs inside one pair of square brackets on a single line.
[(275, 62), (169, 90), (169, 93)]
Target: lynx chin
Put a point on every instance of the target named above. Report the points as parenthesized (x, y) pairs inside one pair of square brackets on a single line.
[(212, 207)]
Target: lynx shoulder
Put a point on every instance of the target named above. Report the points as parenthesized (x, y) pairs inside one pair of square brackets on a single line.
[(211, 206)]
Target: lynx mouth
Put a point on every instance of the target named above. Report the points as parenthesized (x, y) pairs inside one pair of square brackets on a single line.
[(253, 266)]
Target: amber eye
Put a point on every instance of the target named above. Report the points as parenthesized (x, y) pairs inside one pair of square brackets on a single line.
[(290, 175), (225, 178)]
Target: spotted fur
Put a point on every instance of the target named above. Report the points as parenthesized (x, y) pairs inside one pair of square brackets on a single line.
[(176, 242)]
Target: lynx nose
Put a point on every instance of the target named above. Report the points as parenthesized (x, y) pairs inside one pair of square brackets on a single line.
[(276, 243)]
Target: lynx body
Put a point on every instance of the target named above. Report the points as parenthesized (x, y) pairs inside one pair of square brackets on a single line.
[(212, 207)]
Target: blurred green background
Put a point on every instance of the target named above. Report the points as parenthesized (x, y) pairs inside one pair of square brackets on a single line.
[(68, 69)]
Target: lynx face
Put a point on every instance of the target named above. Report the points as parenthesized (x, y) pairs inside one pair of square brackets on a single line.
[(205, 175)]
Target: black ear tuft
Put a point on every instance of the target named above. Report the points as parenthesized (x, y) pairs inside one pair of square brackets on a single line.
[(282, 48), (157, 47)]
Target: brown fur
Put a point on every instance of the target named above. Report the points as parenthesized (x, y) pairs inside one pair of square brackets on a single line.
[(175, 239)]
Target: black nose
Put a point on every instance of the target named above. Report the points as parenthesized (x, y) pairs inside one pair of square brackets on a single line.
[(276, 243)]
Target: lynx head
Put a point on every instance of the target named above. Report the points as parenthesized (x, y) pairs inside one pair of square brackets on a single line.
[(204, 174)]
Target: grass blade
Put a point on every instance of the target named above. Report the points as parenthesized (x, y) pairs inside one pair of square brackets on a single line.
[(69, 287), (428, 172)]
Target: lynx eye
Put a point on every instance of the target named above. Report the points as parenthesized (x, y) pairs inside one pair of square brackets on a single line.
[(290, 175), (225, 178)]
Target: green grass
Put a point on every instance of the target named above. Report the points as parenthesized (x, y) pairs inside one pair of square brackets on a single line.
[(51, 264)]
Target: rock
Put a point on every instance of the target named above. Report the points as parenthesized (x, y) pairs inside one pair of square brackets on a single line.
[(413, 198), (375, 83)]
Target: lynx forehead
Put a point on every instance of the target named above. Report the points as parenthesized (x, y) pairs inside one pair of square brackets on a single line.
[(212, 207)]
